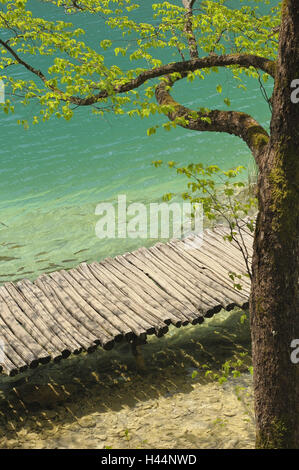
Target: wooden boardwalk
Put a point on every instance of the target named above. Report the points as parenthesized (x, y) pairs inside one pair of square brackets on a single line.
[(127, 297)]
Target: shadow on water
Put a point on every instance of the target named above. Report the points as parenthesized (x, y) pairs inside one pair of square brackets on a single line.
[(109, 381)]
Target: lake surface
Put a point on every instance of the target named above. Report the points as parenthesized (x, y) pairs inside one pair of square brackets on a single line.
[(53, 175)]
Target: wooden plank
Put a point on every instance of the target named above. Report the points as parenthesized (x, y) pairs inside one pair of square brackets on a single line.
[(231, 248), (232, 296), (126, 303), (231, 265), (29, 326), (41, 304), (115, 305), (124, 274), (211, 291), (226, 250), (248, 239), (14, 350), (245, 231), (153, 289), (84, 337), (174, 281), (164, 284), (60, 337), (194, 278), (66, 332), (175, 273), (118, 311), (94, 309), (71, 311), (97, 302), (213, 269), (222, 258), (54, 346), (6, 366), (81, 309), (212, 263), (221, 231), (74, 310), (22, 335), (143, 310), (22, 354), (161, 286)]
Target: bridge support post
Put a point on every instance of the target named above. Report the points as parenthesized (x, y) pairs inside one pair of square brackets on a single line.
[(137, 353)]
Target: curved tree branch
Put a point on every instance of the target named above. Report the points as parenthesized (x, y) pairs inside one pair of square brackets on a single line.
[(242, 60), (231, 122)]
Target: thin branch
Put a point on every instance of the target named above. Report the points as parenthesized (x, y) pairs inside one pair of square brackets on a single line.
[(188, 29), (178, 47), (22, 62), (217, 40), (264, 93)]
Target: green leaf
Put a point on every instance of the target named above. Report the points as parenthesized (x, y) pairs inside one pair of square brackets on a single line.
[(151, 131)]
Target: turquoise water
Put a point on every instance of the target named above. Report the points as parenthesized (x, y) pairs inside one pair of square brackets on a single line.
[(53, 175)]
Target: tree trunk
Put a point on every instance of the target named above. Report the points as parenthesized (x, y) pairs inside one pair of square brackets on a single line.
[(274, 308)]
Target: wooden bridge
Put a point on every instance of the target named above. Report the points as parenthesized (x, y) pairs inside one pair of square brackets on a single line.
[(127, 297)]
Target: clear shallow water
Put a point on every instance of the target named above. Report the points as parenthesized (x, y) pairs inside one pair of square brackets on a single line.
[(89, 401), (53, 175)]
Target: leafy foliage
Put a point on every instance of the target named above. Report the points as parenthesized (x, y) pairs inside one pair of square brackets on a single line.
[(230, 368), (75, 72), (223, 198)]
